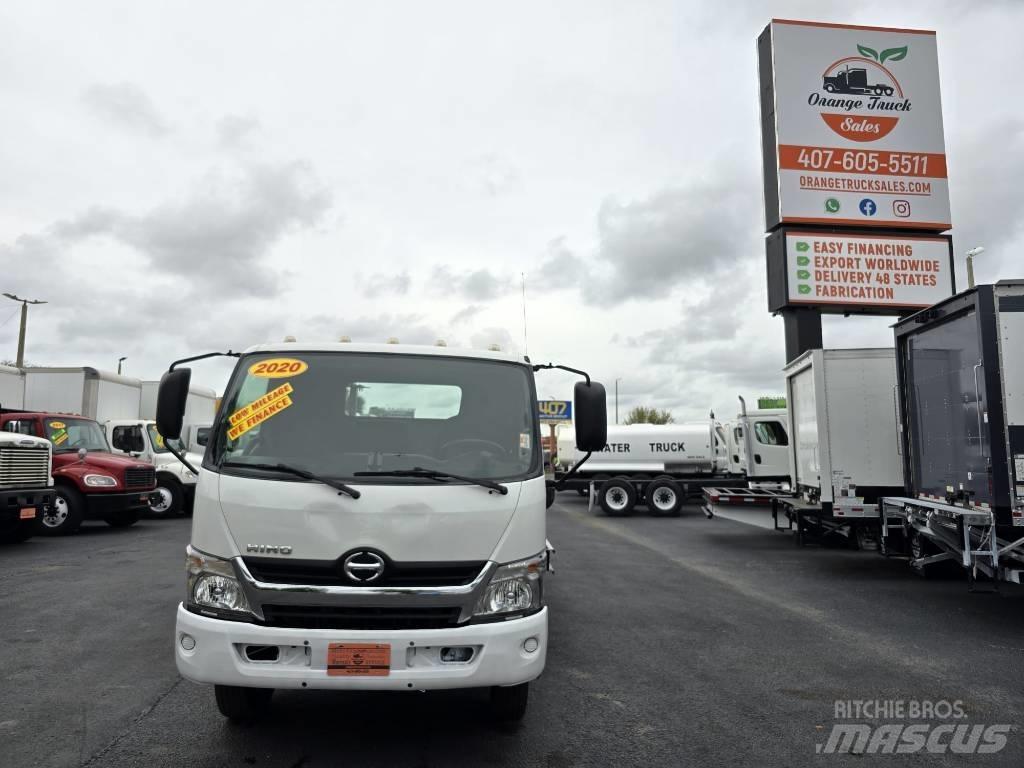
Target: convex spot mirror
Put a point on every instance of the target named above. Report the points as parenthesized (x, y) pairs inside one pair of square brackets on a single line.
[(590, 416), (170, 402)]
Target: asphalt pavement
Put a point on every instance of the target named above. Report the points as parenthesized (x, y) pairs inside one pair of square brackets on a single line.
[(674, 641)]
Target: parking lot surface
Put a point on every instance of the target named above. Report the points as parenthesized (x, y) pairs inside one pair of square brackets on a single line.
[(674, 641)]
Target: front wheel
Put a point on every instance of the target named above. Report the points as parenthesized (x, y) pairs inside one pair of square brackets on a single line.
[(242, 705), (508, 703), (65, 514), (170, 495)]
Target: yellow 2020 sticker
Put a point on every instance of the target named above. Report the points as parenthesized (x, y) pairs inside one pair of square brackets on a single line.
[(57, 425), (278, 368), (259, 410)]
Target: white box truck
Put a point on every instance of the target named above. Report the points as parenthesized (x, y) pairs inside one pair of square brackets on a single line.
[(12, 387), (88, 392), (369, 517), (843, 440)]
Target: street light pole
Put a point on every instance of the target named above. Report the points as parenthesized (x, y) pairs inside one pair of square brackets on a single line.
[(119, 361), (20, 362), (970, 264)]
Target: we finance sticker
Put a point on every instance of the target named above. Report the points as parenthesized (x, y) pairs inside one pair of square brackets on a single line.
[(278, 368), (258, 411)]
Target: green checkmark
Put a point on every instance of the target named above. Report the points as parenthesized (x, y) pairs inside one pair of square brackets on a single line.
[(802, 261), (802, 246), (803, 274), (804, 288)]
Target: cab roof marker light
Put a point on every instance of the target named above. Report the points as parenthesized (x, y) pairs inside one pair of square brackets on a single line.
[(392, 340), (345, 339), (494, 347), (440, 343), (289, 339)]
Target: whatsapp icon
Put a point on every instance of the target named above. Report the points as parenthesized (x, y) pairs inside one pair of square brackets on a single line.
[(832, 205)]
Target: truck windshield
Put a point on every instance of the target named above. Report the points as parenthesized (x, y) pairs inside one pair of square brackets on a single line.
[(341, 414), (156, 439), (69, 434)]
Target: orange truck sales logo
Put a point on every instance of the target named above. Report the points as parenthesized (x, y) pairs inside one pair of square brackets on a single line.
[(856, 84)]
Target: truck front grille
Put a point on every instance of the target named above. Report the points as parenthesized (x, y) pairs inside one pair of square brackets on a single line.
[(279, 570), (24, 467), (140, 477), (362, 617)]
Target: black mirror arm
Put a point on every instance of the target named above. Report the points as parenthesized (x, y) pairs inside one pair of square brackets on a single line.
[(181, 458), (549, 366), (559, 484), (229, 353)]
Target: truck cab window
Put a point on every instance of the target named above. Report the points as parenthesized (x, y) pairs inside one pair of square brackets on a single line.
[(20, 426), (770, 433)]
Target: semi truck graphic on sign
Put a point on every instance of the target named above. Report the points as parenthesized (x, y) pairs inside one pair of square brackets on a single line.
[(854, 80)]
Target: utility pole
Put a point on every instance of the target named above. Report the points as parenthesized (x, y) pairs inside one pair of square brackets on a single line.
[(20, 363), (970, 264)]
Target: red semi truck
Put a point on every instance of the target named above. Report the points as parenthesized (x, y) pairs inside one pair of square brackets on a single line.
[(90, 482)]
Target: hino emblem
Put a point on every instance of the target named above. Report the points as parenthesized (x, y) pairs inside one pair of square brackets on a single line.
[(271, 549), (363, 566)]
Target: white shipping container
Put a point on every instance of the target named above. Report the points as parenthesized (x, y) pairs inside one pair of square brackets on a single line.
[(200, 407), (85, 391), (12, 388), (842, 424)]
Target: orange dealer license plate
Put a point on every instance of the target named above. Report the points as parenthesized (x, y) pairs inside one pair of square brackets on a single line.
[(28, 513), (358, 660)]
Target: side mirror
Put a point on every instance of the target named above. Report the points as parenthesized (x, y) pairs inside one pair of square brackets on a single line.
[(170, 402), (591, 416), (203, 435), (135, 442)]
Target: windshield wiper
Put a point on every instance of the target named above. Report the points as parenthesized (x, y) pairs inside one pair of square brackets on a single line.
[(434, 474), (341, 487)]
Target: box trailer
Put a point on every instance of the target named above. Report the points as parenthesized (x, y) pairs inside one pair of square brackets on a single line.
[(843, 445), (200, 408), (961, 405), (98, 395), (12, 387)]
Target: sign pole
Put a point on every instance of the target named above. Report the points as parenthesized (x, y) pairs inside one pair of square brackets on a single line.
[(803, 330)]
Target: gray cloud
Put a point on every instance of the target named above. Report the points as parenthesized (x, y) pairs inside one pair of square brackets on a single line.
[(235, 130), (126, 104), (380, 283), (560, 268), (466, 313), (477, 285), (217, 239), (648, 247)]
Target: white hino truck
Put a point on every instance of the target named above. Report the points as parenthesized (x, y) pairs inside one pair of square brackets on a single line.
[(369, 517)]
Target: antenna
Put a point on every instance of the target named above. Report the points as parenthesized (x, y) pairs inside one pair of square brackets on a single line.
[(526, 346)]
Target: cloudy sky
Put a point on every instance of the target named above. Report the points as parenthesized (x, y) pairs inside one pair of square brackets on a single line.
[(183, 177)]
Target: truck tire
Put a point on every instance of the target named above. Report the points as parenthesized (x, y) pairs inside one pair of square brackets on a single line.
[(123, 519), (919, 547), (242, 705), (172, 497), (664, 497), (508, 703), (65, 514), (617, 497)]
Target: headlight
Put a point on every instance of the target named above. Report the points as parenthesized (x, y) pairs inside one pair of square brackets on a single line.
[(212, 583), (514, 588), (100, 481)]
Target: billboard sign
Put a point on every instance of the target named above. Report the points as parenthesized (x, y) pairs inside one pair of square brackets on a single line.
[(852, 127), (555, 410), (876, 273)]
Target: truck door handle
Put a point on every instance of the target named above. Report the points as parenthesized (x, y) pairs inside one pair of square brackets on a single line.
[(757, 458)]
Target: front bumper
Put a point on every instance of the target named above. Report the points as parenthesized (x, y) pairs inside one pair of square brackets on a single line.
[(500, 659), (12, 502), (102, 504)]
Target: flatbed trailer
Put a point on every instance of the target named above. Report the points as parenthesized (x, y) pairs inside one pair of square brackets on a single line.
[(968, 536), (740, 495)]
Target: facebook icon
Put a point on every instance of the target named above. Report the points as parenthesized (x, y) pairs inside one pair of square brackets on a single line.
[(868, 207)]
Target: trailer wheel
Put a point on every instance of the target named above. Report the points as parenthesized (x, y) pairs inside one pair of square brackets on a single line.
[(664, 497), (617, 497), (920, 547)]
